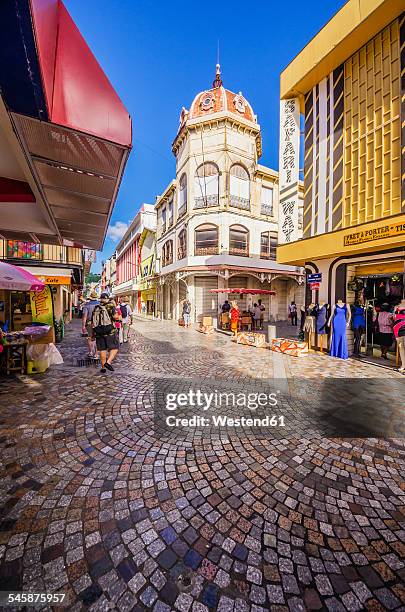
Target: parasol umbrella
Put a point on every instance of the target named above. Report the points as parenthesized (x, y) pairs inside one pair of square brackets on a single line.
[(247, 291), (15, 278)]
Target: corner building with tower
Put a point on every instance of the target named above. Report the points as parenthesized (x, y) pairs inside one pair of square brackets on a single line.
[(217, 221)]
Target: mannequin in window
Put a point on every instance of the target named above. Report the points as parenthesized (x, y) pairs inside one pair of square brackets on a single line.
[(339, 321), (359, 326), (321, 326)]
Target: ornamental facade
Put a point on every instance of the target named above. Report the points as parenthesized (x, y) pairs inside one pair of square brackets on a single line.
[(217, 221)]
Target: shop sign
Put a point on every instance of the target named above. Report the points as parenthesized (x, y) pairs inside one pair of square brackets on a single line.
[(289, 170), (314, 286), (314, 278), (54, 280), (377, 233), (41, 306)]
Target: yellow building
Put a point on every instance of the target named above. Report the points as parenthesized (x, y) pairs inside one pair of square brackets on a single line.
[(347, 84)]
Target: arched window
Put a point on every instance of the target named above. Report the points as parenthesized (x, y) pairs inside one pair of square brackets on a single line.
[(206, 239), (238, 240), (239, 188), (167, 253), (206, 186), (268, 245), (182, 244), (182, 195)]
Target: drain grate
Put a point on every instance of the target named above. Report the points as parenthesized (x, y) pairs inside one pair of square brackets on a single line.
[(86, 362)]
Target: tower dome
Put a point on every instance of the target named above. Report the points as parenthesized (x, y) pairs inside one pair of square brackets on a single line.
[(217, 100)]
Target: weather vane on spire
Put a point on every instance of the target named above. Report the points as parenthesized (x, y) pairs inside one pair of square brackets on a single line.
[(218, 81)]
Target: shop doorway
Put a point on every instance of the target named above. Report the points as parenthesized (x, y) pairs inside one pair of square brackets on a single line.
[(378, 292)]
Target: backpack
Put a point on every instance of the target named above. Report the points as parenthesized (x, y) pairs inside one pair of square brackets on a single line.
[(124, 310), (101, 321)]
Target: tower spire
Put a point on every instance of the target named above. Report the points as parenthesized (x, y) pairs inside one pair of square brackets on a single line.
[(217, 81)]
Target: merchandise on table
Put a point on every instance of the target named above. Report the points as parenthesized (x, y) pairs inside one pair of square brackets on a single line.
[(295, 348)]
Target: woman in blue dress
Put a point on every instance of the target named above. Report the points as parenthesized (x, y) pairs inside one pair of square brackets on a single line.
[(340, 318)]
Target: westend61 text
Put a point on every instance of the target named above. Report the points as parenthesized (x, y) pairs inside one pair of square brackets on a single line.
[(221, 420)]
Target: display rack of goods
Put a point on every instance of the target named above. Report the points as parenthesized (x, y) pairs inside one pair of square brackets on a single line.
[(251, 339), (295, 348)]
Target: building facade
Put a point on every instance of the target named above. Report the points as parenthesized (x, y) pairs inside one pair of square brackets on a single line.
[(129, 257), (217, 221), (347, 84)]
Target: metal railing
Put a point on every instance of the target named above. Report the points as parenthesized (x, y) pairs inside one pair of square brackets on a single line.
[(238, 202), (182, 210), (210, 250), (52, 253), (240, 252), (206, 202), (267, 210), (181, 253)]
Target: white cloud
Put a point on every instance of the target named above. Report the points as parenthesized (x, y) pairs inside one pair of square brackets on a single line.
[(116, 231)]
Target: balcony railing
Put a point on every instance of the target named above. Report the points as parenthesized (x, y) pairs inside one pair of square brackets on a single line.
[(182, 210), (267, 210), (206, 202), (239, 252), (238, 202), (170, 223), (268, 255), (31, 252), (209, 250), (181, 253), (167, 261), (163, 228)]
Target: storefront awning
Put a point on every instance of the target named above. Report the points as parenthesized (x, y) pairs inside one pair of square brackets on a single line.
[(50, 276), (64, 128)]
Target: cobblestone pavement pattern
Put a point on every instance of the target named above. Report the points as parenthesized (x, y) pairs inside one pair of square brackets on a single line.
[(96, 505)]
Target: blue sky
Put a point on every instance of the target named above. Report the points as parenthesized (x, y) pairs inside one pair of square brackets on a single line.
[(159, 55)]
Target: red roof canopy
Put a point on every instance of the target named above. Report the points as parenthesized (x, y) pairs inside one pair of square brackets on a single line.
[(247, 291)]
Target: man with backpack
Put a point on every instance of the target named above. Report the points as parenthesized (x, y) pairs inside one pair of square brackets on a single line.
[(126, 314), (187, 313), (105, 332)]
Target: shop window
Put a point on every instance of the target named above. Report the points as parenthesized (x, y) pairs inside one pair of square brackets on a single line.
[(167, 253), (24, 250), (206, 186), (182, 195), (206, 240), (182, 245), (268, 245), (239, 188), (238, 240)]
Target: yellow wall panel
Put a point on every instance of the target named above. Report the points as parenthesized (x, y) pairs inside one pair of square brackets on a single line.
[(372, 130)]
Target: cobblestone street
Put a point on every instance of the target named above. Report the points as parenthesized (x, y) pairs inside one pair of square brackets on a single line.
[(100, 504)]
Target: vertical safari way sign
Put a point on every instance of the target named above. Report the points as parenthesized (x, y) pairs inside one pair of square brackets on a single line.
[(289, 170)]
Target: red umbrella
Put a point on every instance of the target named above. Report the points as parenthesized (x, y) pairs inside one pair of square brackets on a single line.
[(15, 278), (247, 291)]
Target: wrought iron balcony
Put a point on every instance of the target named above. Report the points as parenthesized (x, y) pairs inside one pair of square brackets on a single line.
[(238, 202), (209, 250), (206, 202), (239, 252), (267, 210), (182, 210), (181, 253)]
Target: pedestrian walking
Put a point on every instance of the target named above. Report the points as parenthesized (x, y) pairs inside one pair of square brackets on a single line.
[(126, 315), (87, 329), (292, 313), (187, 313), (103, 323)]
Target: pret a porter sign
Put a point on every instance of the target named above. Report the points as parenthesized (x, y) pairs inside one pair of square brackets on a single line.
[(289, 170), (377, 233)]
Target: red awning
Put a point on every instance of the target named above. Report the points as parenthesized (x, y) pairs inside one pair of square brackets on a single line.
[(247, 291)]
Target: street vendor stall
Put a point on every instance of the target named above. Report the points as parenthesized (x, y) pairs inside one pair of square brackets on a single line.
[(26, 318), (245, 319)]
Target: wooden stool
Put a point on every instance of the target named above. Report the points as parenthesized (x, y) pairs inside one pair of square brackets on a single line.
[(15, 358)]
